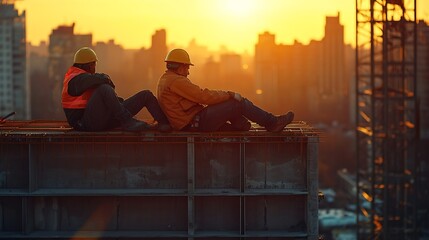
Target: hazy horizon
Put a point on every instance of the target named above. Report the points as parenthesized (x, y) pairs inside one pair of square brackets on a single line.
[(215, 23)]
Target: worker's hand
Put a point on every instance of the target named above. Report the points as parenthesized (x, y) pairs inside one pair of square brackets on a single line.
[(235, 95)]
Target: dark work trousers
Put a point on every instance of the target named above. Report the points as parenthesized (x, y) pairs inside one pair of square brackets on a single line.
[(232, 115), (105, 111)]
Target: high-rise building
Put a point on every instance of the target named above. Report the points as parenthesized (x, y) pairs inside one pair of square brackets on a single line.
[(233, 76), (266, 70), (332, 79), (149, 63), (14, 87), (231, 63), (333, 83), (111, 57), (199, 56), (115, 61), (158, 51), (63, 43), (37, 58), (211, 70), (313, 79)]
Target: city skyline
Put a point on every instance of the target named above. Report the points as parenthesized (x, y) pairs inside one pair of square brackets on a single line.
[(233, 24), (318, 80), (237, 72)]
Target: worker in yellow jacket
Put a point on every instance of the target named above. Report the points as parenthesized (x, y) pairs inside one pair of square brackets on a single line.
[(191, 108)]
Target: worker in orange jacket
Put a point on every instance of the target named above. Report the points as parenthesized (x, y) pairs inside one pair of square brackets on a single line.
[(90, 102), (191, 108)]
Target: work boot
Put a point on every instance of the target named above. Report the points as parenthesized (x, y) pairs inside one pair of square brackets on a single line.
[(134, 125), (281, 122)]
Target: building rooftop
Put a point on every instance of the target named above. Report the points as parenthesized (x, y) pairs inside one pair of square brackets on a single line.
[(48, 129)]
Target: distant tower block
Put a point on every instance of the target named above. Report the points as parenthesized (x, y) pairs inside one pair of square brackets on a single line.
[(14, 88)]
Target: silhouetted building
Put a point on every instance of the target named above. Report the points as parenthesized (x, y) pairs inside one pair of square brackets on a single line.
[(333, 84), (14, 88), (211, 70), (110, 57), (63, 43), (266, 71), (158, 51), (230, 65), (39, 81), (115, 61), (233, 76), (142, 67), (332, 81), (199, 53), (294, 85), (283, 74), (313, 79), (227, 74), (149, 63), (199, 56)]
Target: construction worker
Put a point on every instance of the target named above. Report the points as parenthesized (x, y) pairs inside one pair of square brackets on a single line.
[(90, 102), (190, 108)]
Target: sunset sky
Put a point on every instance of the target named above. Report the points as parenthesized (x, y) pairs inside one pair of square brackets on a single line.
[(231, 23)]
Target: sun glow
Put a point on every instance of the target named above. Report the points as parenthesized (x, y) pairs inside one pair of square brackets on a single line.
[(238, 8), (234, 24)]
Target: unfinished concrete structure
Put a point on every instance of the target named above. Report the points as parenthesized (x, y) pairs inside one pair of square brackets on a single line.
[(59, 183)]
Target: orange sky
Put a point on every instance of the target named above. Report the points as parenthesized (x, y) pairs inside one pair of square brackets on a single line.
[(232, 23)]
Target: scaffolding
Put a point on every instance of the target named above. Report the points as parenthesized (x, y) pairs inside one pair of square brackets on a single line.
[(386, 40)]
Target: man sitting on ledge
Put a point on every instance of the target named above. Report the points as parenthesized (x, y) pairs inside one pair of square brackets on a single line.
[(190, 108), (90, 102)]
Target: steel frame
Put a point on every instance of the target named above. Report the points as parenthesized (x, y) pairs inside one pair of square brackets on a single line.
[(187, 185), (386, 43)]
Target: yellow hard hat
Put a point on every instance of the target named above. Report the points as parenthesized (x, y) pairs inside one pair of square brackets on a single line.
[(179, 56), (85, 55)]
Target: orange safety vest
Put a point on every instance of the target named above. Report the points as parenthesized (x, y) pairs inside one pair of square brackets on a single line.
[(74, 102)]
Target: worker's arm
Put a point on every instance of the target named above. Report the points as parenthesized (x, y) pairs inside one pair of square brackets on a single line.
[(185, 88), (85, 81)]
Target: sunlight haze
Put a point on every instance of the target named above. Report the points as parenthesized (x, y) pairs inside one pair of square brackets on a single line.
[(234, 24)]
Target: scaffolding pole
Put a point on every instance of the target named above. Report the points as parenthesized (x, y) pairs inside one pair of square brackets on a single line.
[(386, 43)]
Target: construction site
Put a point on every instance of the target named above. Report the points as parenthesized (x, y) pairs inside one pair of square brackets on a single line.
[(391, 179), (59, 183)]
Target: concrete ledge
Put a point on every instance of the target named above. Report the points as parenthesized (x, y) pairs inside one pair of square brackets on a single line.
[(42, 128)]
